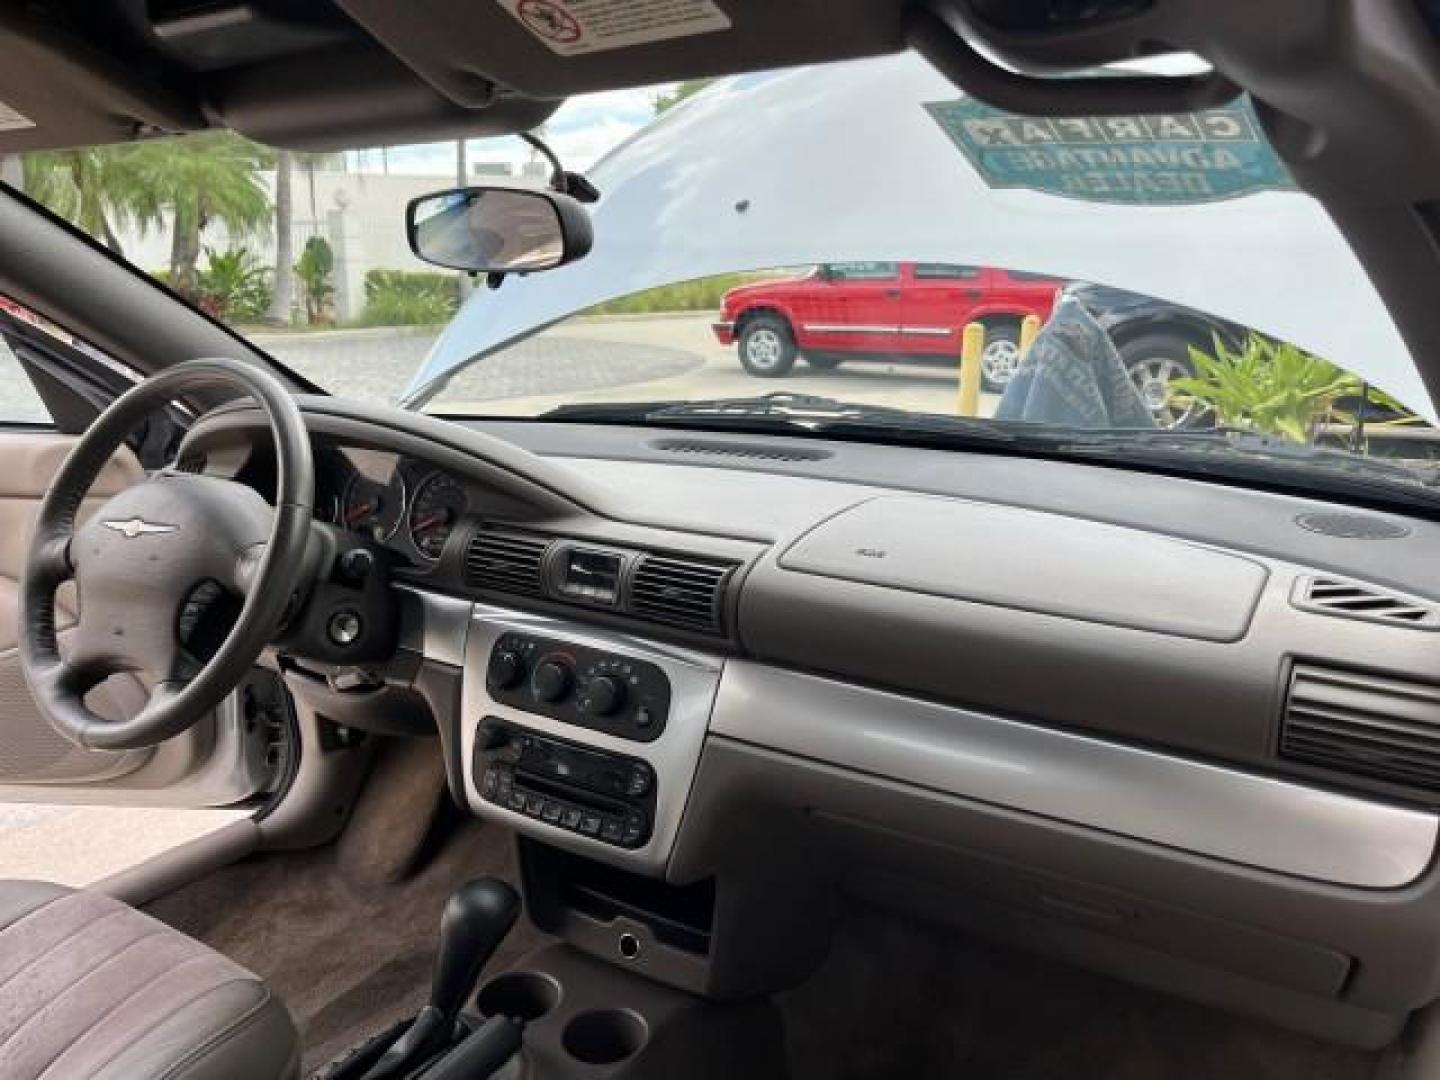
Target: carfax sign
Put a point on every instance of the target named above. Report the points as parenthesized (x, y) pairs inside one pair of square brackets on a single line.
[(1161, 159)]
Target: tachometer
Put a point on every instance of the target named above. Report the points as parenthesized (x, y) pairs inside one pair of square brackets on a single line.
[(373, 507), (439, 503)]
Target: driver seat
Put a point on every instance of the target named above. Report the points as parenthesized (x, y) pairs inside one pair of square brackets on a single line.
[(91, 989)]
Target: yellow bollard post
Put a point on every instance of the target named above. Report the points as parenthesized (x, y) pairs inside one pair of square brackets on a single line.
[(972, 344), (1029, 328)]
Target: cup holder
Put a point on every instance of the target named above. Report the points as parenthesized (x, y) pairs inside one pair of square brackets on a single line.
[(520, 995), (604, 1036)]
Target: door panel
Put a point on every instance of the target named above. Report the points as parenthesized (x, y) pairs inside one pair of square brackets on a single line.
[(939, 302), (217, 762), (29, 749), (858, 308)]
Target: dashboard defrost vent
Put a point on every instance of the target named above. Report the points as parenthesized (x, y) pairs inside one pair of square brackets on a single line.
[(747, 450), (680, 591), (1364, 725), (505, 560), (1351, 599)]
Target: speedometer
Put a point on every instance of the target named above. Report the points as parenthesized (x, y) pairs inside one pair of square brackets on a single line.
[(439, 503)]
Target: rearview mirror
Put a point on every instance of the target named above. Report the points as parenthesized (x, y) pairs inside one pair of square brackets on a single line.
[(493, 230)]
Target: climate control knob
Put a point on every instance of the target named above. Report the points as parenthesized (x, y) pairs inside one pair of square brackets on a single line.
[(551, 681), (505, 671), (603, 696)]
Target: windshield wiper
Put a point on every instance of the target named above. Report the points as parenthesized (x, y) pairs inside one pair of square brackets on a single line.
[(781, 404), (1212, 452), (783, 412), (1236, 444)]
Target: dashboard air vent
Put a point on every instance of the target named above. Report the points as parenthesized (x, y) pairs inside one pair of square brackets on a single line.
[(748, 450), (505, 560), (1364, 725), (1336, 596), (680, 591)]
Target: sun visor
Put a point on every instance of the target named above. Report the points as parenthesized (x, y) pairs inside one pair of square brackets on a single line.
[(55, 91)]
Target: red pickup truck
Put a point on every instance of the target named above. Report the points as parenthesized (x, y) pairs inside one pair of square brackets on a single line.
[(882, 310)]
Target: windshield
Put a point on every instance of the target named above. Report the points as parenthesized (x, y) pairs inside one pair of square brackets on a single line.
[(854, 244)]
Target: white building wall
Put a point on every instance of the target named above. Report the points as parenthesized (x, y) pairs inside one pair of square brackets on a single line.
[(376, 203)]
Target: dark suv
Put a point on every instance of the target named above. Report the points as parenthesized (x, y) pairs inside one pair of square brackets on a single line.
[(1154, 338)]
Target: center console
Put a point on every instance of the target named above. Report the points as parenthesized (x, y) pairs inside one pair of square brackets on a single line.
[(585, 739)]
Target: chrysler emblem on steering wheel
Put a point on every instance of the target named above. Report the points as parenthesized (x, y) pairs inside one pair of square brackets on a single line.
[(138, 527)]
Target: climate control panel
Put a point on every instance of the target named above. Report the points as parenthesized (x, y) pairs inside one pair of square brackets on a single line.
[(576, 684)]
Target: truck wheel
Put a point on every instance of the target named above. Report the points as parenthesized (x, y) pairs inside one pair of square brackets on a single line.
[(1152, 360), (767, 349), (824, 361), (1000, 357)]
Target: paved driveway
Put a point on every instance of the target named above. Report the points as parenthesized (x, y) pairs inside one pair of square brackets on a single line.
[(618, 358)]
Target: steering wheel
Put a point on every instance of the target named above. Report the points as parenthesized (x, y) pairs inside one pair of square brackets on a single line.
[(148, 562)]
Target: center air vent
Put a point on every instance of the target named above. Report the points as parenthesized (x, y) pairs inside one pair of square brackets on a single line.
[(1336, 596), (505, 560), (1364, 725), (681, 592)]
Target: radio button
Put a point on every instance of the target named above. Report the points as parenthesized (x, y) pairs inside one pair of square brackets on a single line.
[(640, 781)]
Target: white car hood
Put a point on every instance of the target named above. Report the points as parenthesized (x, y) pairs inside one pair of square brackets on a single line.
[(842, 162)]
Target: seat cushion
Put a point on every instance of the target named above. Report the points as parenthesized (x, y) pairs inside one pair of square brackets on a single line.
[(91, 989)]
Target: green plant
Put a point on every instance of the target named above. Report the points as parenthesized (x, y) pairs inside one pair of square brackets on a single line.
[(668, 99), (234, 285), (1267, 386), (409, 298), (313, 270)]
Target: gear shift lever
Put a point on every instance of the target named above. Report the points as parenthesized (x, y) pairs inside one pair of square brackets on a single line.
[(477, 917)]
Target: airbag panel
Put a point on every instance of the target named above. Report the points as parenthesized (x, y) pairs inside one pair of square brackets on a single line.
[(1045, 563)]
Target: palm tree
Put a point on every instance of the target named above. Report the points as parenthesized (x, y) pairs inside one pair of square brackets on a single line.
[(196, 180), (96, 189), (282, 298), (311, 162)]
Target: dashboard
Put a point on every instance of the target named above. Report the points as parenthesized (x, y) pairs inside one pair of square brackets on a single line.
[(1185, 732)]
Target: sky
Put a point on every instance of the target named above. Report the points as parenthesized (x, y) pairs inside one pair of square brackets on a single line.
[(580, 132)]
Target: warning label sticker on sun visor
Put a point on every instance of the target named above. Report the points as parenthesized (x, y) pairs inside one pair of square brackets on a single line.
[(10, 120), (572, 27)]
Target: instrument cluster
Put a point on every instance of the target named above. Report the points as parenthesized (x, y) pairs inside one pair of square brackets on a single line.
[(406, 505)]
